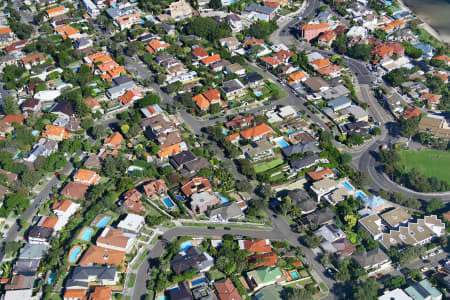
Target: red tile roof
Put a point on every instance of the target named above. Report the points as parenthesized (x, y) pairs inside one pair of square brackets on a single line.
[(257, 246), (263, 260), (411, 113), (255, 131), (226, 290)]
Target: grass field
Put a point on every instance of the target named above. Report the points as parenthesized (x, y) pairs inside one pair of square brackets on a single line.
[(428, 162), (268, 165)]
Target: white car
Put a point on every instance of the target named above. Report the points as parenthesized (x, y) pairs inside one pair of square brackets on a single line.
[(432, 254), (439, 251)]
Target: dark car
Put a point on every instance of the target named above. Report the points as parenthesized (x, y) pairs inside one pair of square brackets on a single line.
[(227, 228), (211, 227)]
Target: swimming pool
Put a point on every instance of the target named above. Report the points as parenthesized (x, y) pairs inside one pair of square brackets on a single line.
[(168, 202), (361, 195), (161, 298), (180, 198), (102, 223), (295, 275), (87, 234), (347, 186), (18, 154), (224, 132), (258, 94), (185, 245), (74, 254), (222, 198), (35, 132), (290, 131), (198, 281), (51, 278), (283, 143)]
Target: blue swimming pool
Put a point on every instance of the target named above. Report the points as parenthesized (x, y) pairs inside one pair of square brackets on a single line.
[(224, 131), (180, 198), (295, 275), (87, 234), (185, 245), (161, 298), (103, 222), (35, 132), (168, 202), (347, 185), (222, 198), (361, 195), (290, 131), (283, 143), (198, 281), (51, 278), (258, 94), (74, 255)]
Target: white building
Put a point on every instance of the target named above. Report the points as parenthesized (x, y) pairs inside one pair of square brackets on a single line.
[(91, 8), (132, 222)]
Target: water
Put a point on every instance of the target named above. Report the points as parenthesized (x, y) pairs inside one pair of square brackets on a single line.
[(222, 198), (103, 222), (198, 281), (295, 275), (283, 143), (361, 195), (434, 12), (184, 246), (347, 186), (168, 202), (51, 278), (87, 234), (74, 255)]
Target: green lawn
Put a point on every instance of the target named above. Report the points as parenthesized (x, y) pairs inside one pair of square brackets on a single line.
[(131, 280), (140, 260), (268, 165), (428, 162)]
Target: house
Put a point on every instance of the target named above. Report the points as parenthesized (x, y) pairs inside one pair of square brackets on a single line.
[(180, 10), (259, 12), (307, 161), (427, 50), (357, 113), (256, 133), (432, 100), (258, 150), (56, 11), (264, 276), (239, 122), (388, 50), (226, 212), (334, 240), (326, 38), (253, 80), (372, 259), (31, 106), (55, 133), (192, 258), (300, 148), (86, 177), (396, 217), (101, 292), (235, 69), (11, 177), (116, 239), (255, 246), (397, 294), (31, 60), (14, 118), (93, 162), (231, 43), (393, 26), (188, 163), (155, 187), (233, 89), (82, 276), (67, 31), (339, 103), (436, 126), (374, 203), (373, 225), (181, 292), (321, 217), (40, 235), (316, 84), (423, 290), (6, 35), (297, 77), (156, 45), (226, 290), (199, 53), (357, 32), (210, 59), (43, 148), (320, 174), (206, 99), (270, 62), (311, 31), (130, 96), (444, 58), (235, 22), (127, 21), (18, 294), (262, 260), (20, 282), (5, 128), (75, 191), (114, 140), (132, 223), (64, 109), (302, 200), (201, 201), (132, 201)]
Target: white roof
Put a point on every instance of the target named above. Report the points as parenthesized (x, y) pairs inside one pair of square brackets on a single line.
[(314, 56), (17, 294), (273, 117), (47, 95), (287, 111), (397, 294), (132, 222), (357, 31)]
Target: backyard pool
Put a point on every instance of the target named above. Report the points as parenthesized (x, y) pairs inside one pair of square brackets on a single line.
[(35, 132), (290, 131), (295, 275), (361, 195), (185, 245), (87, 234), (198, 281), (51, 278), (222, 198), (180, 198), (283, 143), (161, 298), (74, 254), (224, 131), (258, 94), (102, 223), (347, 186), (168, 202)]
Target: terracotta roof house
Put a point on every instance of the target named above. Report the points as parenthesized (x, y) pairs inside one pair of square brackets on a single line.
[(12, 177), (55, 133), (327, 37), (204, 100), (114, 140), (199, 53), (270, 61), (12, 118), (431, 99), (56, 11), (155, 46), (86, 177), (297, 77), (257, 132), (75, 190), (210, 59), (31, 60), (226, 290), (155, 187), (411, 113), (169, 151), (443, 58), (320, 174), (256, 246), (311, 31), (239, 122), (130, 96), (397, 24), (102, 256), (132, 201), (101, 293), (50, 222), (116, 239), (252, 41), (388, 50), (283, 55), (75, 294), (262, 260), (92, 103), (195, 185)]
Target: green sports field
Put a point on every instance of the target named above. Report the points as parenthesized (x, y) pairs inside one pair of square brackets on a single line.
[(428, 162)]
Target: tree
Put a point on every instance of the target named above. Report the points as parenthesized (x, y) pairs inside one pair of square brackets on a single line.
[(434, 206), (98, 131), (265, 191), (208, 28), (397, 77), (10, 105), (362, 179), (409, 127), (376, 131), (244, 186), (285, 205), (149, 99), (360, 51), (415, 275), (396, 282), (216, 4), (345, 158), (30, 178), (246, 168), (366, 290), (355, 139), (312, 241), (262, 29), (87, 123)]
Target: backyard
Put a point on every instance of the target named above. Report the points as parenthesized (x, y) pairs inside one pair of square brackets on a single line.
[(267, 165), (428, 162)]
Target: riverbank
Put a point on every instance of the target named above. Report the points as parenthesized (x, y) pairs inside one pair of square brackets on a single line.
[(442, 37)]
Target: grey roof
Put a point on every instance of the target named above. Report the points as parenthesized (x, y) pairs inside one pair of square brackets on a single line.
[(233, 17), (304, 162), (195, 165), (252, 77), (102, 273), (40, 232), (315, 83), (330, 232), (191, 258), (122, 79), (321, 216), (26, 266), (370, 258), (230, 210), (232, 85), (253, 7), (81, 42), (301, 199), (179, 159), (64, 107), (342, 100), (121, 87), (181, 293), (33, 251), (300, 148)]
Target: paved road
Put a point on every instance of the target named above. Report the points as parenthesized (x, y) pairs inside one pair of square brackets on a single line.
[(280, 231), (30, 212)]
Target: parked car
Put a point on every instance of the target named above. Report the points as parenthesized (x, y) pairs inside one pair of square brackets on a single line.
[(227, 228), (424, 269), (211, 227)]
